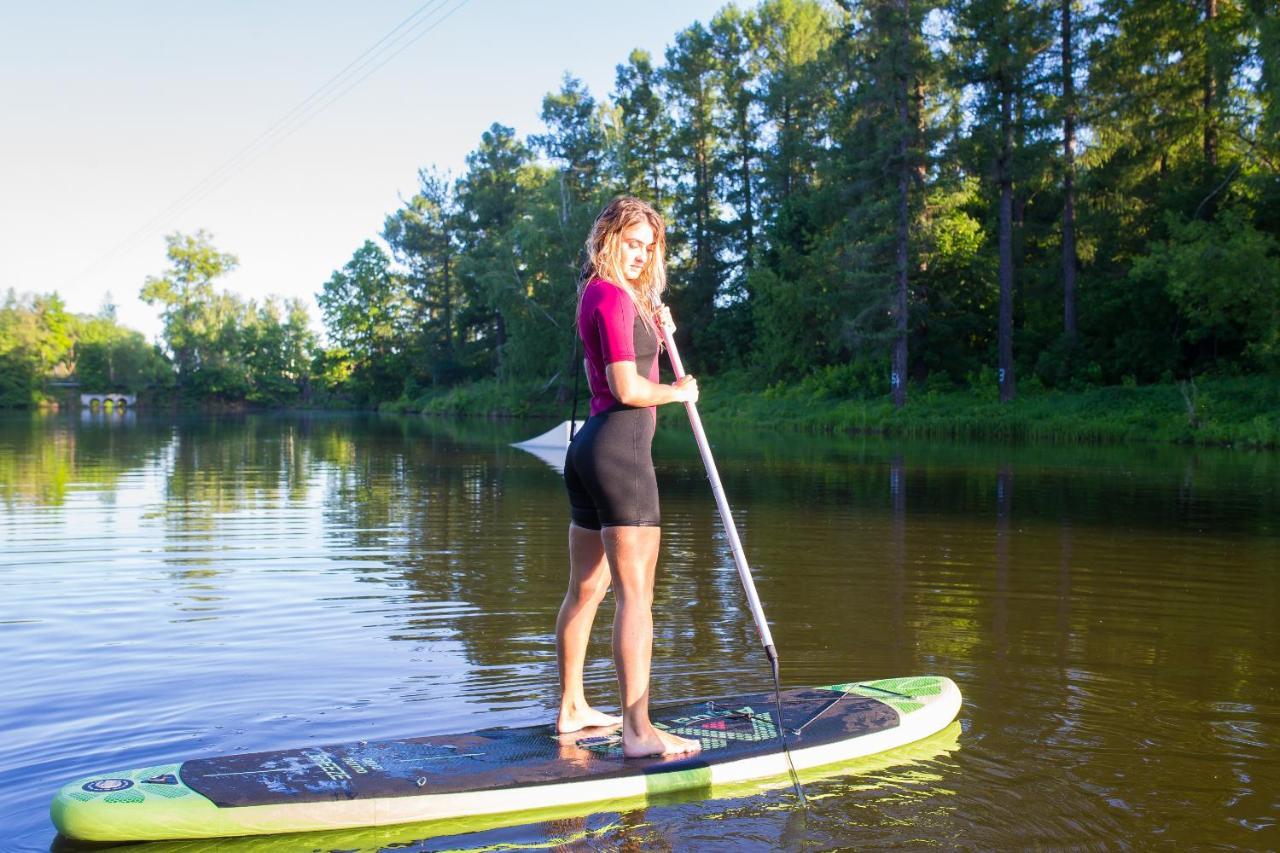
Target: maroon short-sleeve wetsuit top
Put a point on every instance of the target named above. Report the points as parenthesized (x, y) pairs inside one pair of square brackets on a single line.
[(612, 330)]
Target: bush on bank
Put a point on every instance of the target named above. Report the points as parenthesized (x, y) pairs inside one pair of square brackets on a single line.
[(1234, 411)]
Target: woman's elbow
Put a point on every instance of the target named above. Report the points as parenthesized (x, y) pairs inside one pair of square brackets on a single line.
[(626, 393), (627, 396)]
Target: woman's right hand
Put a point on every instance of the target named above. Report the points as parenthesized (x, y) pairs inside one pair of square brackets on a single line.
[(686, 389)]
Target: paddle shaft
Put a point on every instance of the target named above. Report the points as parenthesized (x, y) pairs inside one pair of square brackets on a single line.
[(722, 503), (739, 556)]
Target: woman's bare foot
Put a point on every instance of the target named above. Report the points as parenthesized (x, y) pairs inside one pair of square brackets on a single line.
[(657, 742), (573, 719)]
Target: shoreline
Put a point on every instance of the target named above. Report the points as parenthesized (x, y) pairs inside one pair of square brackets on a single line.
[(1232, 412), (1237, 412)]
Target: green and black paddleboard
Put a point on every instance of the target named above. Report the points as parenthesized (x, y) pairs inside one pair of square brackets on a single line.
[(497, 771)]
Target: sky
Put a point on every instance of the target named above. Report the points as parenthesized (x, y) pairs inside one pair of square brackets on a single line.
[(122, 122)]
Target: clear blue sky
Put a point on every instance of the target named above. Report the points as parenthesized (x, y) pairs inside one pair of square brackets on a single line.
[(112, 112)]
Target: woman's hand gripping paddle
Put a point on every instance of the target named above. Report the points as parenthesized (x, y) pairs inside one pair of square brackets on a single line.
[(735, 544)]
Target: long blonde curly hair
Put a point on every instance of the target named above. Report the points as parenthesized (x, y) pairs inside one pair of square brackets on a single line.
[(604, 254)]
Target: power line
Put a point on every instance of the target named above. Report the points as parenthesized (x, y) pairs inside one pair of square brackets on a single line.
[(212, 179), (342, 93), (394, 42)]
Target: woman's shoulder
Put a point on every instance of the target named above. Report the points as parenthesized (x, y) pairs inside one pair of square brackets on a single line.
[(602, 292)]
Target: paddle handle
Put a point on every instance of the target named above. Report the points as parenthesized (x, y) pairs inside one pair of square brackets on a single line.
[(722, 504)]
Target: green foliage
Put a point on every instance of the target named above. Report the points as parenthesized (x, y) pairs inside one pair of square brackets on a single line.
[(278, 344), (865, 379), (199, 322), (220, 347), (20, 379), (638, 129), (820, 161), (788, 341), (1065, 364), (486, 398), (423, 238), (366, 310), (41, 342), (36, 340), (1240, 412), (1224, 279), (109, 357)]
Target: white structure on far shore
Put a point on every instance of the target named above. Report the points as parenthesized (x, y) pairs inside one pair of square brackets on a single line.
[(102, 401)]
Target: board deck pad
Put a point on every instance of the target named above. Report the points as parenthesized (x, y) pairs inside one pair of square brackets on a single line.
[(516, 757), (498, 770)]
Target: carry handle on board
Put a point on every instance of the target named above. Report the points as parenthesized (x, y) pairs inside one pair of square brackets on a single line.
[(735, 544)]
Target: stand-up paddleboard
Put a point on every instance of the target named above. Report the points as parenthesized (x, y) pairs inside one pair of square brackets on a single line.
[(917, 767), (494, 771)]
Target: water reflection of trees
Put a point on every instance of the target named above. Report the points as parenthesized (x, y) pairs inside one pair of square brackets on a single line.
[(44, 456), (216, 470), (473, 522), (1071, 591), (1231, 491)]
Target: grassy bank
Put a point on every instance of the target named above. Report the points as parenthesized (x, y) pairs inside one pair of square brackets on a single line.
[(1239, 412)]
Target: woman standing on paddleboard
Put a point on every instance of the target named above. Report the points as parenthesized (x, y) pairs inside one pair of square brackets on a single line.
[(613, 493)]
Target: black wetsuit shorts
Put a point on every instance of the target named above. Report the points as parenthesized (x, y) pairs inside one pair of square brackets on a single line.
[(609, 470)]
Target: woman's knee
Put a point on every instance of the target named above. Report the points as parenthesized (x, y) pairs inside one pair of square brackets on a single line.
[(633, 556), (634, 592), (589, 590), (638, 603)]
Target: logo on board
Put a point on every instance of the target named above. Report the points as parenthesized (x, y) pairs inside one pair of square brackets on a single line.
[(106, 786)]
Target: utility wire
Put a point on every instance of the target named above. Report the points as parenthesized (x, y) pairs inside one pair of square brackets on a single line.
[(398, 39), (249, 149), (341, 94)]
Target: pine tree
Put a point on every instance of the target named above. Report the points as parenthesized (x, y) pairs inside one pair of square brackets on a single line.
[(489, 199), (641, 131), (999, 46), (422, 237), (689, 82), (1070, 259)]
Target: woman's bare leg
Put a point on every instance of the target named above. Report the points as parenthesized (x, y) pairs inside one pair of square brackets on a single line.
[(632, 553), (588, 582)]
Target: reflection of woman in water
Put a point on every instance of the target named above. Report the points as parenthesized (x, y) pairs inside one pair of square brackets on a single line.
[(613, 494)]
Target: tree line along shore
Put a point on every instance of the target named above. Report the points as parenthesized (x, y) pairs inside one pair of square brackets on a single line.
[(1055, 219)]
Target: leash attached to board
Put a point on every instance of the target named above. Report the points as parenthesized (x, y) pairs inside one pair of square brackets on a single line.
[(739, 556)]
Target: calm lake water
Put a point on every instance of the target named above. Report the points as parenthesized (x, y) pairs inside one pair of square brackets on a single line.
[(178, 588)]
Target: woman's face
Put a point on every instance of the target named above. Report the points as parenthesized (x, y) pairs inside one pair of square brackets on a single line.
[(638, 245)]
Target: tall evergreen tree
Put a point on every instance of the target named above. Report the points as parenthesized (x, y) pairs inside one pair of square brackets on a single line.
[(1172, 104), (642, 130), (576, 143), (999, 44), (737, 66), (689, 81), (797, 97), (1070, 258), (422, 236), (489, 204), (796, 281)]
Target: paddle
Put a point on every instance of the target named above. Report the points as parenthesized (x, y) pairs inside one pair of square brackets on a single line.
[(735, 545)]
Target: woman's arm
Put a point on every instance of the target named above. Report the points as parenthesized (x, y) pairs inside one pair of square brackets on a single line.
[(631, 389)]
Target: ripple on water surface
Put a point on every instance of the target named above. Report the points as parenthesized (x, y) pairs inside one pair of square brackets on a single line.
[(186, 589)]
